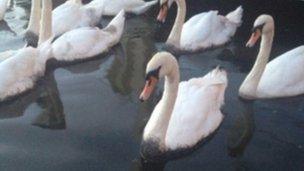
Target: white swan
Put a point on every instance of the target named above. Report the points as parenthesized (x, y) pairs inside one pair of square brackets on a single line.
[(4, 4), (112, 7), (19, 72), (73, 14), (87, 42), (203, 30), (281, 77), (187, 112), (31, 33)]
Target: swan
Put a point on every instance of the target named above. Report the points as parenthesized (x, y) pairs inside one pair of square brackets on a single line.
[(88, 42), (188, 111), (73, 14), (31, 33), (203, 30), (4, 4), (281, 77), (112, 7), (19, 72)]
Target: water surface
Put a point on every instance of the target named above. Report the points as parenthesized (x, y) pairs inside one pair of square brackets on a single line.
[(87, 116)]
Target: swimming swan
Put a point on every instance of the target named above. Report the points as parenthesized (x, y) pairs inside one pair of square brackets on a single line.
[(281, 77), (88, 42), (188, 111), (19, 72), (73, 14), (112, 7), (203, 30), (31, 33)]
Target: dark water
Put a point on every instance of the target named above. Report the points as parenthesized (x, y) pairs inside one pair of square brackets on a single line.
[(86, 116)]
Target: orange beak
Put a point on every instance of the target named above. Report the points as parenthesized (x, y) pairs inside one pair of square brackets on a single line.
[(148, 89), (254, 38), (162, 15)]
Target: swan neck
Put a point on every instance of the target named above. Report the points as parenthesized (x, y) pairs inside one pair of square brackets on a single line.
[(46, 21), (35, 15), (257, 71), (160, 120), (175, 35)]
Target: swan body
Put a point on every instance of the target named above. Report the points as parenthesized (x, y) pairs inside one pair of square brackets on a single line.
[(87, 42), (26, 65), (72, 15), (188, 112), (201, 31), (19, 72), (3, 6), (281, 77), (112, 7)]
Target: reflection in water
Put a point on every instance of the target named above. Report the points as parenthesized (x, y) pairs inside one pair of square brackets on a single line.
[(127, 75), (46, 95), (241, 133), (52, 115)]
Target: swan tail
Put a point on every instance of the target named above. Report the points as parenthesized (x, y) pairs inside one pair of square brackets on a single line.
[(117, 24), (145, 7), (217, 78), (236, 16)]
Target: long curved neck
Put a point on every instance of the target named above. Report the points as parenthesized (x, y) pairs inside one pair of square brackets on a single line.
[(46, 21), (159, 121), (175, 35), (254, 77), (35, 15)]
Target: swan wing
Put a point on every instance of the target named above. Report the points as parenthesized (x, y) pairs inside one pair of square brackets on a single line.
[(18, 73), (80, 43), (196, 112), (197, 29), (206, 30), (70, 15), (284, 75), (66, 17), (113, 7)]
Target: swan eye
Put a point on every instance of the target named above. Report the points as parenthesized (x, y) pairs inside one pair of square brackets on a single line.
[(153, 73), (258, 27)]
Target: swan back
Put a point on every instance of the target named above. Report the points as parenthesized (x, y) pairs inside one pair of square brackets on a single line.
[(87, 42), (113, 7)]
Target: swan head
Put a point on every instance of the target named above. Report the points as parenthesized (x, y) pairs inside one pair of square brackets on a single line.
[(263, 25), (160, 65), (164, 6)]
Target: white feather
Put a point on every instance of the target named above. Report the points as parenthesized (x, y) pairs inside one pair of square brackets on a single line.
[(87, 42), (72, 15), (112, 7), (284, 75)]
